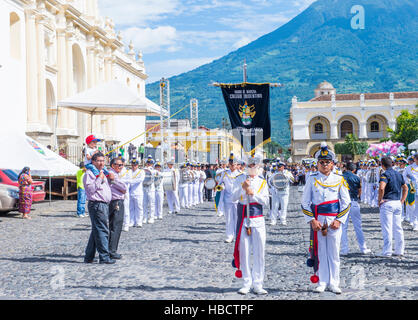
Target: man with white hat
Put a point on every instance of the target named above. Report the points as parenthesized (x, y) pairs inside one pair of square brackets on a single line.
[(136, 194), (149, 192), (227, 178), (280, 193), (172, 195), (325, 204), (251, 191), (220, 193), (373, 184), (184, 186), (159, 191)]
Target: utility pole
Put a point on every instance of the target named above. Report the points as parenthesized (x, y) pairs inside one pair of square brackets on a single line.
[(165, 120), (194, 126)]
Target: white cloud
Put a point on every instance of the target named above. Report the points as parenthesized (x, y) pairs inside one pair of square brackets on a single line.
[(138, 13), (150, 40)]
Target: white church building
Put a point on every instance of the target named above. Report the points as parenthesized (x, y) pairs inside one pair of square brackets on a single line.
[(53, 50)]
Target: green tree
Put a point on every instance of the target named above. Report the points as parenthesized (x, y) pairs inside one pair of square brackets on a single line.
[(406, 128), (352, 146)]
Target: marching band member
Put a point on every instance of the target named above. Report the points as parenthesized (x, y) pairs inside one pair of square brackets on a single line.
[(281, 195), (125, 177), (220, 194), (172, 196), (184, 186), (325, 204), (411, 172), (373, 183), (392, 195), (149, 193), (136, 194), (202, 178), (159, 191), (354, 184), (190, 186), (252, 192), (230, 204), (196, 184)]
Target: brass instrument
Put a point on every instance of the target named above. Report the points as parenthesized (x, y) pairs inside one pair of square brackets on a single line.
[(220, 187)]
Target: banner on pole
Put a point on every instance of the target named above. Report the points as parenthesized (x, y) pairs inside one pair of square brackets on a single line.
[(248, 107)]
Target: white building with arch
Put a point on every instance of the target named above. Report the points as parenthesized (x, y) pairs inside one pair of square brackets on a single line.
[(330, 117), (52, 50)]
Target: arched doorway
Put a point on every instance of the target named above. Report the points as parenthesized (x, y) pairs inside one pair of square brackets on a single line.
[(319, 128), (51, 105), (79, 85), (346, 128), (377, 127)]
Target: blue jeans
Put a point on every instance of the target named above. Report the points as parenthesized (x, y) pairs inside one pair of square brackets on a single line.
[(99, 236), (81, 201), (96, 172)]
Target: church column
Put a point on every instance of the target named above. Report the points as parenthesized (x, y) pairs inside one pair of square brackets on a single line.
[(62, 67), (334, 130), (42, 112), (90, 70), (363, 130), (71, 122), (31, 63)]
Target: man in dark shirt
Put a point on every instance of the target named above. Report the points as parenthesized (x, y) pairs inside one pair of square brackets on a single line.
[(392, 195), (354, 184)]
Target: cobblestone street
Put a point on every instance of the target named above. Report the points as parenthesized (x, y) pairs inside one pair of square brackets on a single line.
[(184, 257)]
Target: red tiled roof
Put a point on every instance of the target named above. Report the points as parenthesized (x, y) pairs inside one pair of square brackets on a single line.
[(368, 96)]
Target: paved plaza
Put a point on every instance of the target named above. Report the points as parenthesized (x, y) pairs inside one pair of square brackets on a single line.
[(184, 257)]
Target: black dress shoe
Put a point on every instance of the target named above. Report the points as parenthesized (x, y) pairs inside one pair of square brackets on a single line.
[(108, 262), (89, 261), (116, 256)]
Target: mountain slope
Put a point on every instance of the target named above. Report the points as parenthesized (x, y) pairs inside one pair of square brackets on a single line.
[(319, 44)]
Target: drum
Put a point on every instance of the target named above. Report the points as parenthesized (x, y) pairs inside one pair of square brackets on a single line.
[(149, 178), (279, 181), (210, 183), (169, 181)]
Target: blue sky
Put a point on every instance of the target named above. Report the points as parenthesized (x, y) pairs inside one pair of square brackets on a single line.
[(176, 36)]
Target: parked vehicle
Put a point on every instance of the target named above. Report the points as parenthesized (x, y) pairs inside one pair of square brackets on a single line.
[(9, 197), (10, 178)]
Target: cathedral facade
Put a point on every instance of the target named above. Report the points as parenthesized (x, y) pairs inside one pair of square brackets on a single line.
[(52, 50)]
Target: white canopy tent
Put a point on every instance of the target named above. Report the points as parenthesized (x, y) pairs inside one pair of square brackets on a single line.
[(413, 145), (19, 151), (111, 98)]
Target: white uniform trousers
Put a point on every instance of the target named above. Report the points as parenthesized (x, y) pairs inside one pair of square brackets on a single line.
[(409, 212), (391, 222), (201, 188), (184, 194), (159, 202), (190, 197), (126, 215), (275, 204), (149, 204), (283, 198), (196, 193), (136, 210), (356, 219), (173, 201), (374, 191), (329, 257), (256, 244), (230, 211)]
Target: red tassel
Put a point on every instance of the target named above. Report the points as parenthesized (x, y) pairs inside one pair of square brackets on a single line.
[(314, 279), (238, 274)]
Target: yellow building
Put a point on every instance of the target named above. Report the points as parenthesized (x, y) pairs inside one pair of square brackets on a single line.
[(330, 117), (205, 145)]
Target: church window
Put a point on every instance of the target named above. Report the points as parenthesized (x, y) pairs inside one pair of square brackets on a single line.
[(319, 128), (374, 126)]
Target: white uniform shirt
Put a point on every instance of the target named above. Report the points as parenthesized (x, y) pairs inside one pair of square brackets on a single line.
[(411, 172), (135, 179), (321, 188), (228, 179)]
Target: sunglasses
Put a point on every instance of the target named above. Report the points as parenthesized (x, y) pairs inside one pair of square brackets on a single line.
[(119, 165)]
